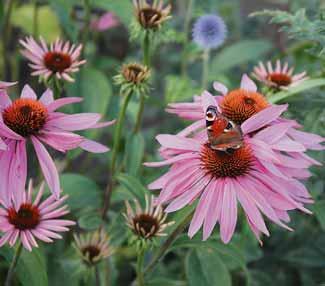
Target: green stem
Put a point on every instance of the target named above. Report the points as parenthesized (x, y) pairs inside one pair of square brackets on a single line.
[(56, 87), (139, 115), (187, 22), (13, 265), (35, 19), (116, 146), (167, 243), (5, 38), (146, 49), (97, 275), (118, 130), (140, 276), (205, 74)]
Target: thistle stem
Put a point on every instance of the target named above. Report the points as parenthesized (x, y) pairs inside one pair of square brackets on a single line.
[(97, 275), (167, 243), (35, 19), (140, 276), (139, 115), (186, 31), (13, 265), (205, 74), (5, 38), (146, 49)]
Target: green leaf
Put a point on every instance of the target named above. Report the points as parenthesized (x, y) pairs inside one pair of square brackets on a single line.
[(204, 267), (319, 210), (48, 24), (305, 85), (90, 221), (237, 54), (133, 185), (31, 268), (83, 192), (134, 153)]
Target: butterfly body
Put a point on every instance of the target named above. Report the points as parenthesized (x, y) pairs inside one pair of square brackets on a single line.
[(223, 134)]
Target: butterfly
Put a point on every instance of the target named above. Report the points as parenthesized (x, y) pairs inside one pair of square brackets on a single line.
[(223, 134)]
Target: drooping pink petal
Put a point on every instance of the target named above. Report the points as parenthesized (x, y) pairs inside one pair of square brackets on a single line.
[(47, 97), (60, 140), (93, 146), (74, 122), (228, 217), (218, 86), (263, 118), (207, 100), (56, 104), (178, 142), (171, 160), (48, 167)]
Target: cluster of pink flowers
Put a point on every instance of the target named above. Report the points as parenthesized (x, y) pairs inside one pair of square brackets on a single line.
[(36, 120), (264, 174)]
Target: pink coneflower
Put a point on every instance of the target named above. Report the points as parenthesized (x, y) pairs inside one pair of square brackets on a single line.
[(239, 105), (24, 219), (29, 119), (278, 77), (60, 60), (104, 22), (221, 179)]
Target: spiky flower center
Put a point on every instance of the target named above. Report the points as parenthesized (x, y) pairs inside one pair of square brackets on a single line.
[(145, 225), (280, 79), (135, 73), (57, 61), (149, 17), (27, 217), (91, 252), (25, 116), (239, 105), (221, 164)]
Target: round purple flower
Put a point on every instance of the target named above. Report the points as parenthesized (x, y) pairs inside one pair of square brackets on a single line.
[(209, 31)]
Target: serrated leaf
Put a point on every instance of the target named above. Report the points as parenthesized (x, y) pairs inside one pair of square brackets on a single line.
[(305, 85), (204, 267), (237, 54)]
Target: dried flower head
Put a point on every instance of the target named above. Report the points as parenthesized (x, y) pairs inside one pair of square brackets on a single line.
[(209, 31), (93, 247), (133, 77), (278, 77), (151, 16), (149, 222), (135, 73)]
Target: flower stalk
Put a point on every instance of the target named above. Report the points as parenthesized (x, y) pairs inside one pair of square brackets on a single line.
[(13, 265), (205, 74), (167, 243), (139, 270), (5, 39)]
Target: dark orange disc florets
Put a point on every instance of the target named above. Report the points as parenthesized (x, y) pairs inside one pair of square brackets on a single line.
[(25, 116), (57, 62), (91, 251), (221, 164), (280, 79), (239, 105), (28, 217), (147, 223)]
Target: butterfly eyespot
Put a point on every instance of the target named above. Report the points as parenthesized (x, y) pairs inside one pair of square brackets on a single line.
[(229, 126)]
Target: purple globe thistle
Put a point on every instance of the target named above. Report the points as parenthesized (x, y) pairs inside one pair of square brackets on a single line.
[(209, 31)]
